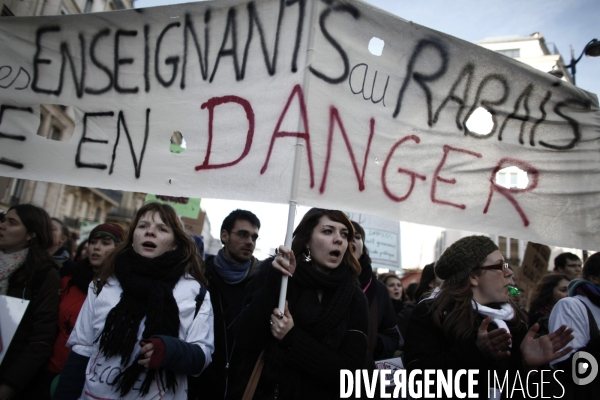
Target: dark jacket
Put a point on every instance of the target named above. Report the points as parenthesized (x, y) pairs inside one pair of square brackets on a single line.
[(427, 347), (226, 302), (404, 317), (388, 336), (299, 366), (32, 344), (384, 336)]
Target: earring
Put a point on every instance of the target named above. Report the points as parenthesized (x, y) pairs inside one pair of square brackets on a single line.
[(307, 256)]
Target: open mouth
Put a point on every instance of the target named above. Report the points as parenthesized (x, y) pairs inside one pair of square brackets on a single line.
[(335, 253), (148, 245)]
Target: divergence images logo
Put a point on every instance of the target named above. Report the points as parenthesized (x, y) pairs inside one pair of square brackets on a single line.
[(585, 368)]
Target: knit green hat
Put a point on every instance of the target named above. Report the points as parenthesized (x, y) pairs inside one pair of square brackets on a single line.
[(462, 257)]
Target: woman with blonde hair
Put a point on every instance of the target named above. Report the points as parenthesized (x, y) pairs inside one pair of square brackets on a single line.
[(147, 320), (323, 329), (395, 289)]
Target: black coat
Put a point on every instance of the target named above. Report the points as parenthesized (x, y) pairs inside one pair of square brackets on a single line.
[(427, 347), (299, 366), (32, 344), (404, 317), (226, 302), (388, 338)]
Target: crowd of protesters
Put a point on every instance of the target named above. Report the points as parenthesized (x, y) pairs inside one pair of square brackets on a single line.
[(144, 313)]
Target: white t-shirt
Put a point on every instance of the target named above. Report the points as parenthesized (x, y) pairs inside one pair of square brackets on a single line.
[(101, 372), (571, 312)]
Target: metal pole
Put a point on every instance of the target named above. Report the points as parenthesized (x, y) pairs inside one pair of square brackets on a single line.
[(297, 158)]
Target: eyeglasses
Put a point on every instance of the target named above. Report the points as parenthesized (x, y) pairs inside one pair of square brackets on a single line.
[(501, 266), (246, 235)]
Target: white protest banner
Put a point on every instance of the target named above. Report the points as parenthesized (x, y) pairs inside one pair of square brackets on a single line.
[(247, 82)]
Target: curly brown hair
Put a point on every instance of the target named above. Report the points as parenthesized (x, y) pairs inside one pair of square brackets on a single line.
[(543, 294)]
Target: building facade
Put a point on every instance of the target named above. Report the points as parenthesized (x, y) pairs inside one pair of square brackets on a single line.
[(73, 205)]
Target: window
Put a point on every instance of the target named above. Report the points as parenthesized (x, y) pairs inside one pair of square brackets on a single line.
[(15, 197), (513, 53), (513, 179), (85, 206), (88, 6), (502, 179), (509, 247), (54, 133), (70, 207)]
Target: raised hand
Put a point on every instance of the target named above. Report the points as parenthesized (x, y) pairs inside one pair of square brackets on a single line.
[(493, 344), (285, 261), (547, 348)]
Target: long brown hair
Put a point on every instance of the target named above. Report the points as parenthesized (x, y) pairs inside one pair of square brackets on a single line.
[(37, 222), (195, 264), (543, 294), (304, 231), (461, 321)]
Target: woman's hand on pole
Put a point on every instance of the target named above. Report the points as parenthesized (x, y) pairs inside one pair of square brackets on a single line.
[(493, 344), (285, 261), (547, 348), (281, 323)]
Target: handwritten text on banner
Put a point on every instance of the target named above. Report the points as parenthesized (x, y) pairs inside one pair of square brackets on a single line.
[(246, 82)]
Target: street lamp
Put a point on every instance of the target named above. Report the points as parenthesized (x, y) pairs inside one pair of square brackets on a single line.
[(592, 49)]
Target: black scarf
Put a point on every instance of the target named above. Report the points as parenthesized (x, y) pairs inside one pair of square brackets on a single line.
[(82, 274), (398, 305), (587, 289), (325, 321), (147, 285), (340, 281)]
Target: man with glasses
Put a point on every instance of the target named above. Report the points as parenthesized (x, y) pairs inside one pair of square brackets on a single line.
[(227, 273)]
